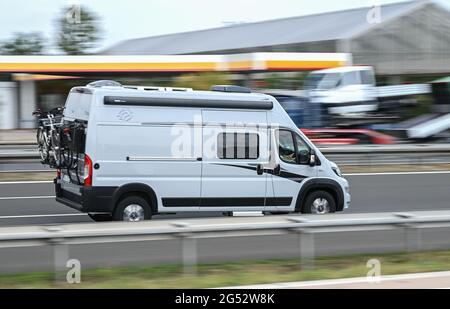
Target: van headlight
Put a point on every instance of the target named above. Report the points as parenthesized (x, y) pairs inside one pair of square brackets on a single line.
[(337, 171)]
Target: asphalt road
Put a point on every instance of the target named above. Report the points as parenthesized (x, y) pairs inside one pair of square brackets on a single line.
[(33, 203)]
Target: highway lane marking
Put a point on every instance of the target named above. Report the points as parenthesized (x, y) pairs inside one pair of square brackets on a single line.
[(42, 216), (26, 197), (24, 182), (315, 283)]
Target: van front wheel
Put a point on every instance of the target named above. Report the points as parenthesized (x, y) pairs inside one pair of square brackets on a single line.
[(132, 209), (319, 202)]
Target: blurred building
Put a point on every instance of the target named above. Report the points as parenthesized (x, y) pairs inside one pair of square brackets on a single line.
[(31, 82), (403, 38), (404, 41)]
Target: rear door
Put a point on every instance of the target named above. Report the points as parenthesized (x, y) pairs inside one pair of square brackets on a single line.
[(234, 144)]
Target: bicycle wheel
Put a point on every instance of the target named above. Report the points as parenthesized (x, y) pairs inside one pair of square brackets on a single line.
[(42, 145), (56, 149)]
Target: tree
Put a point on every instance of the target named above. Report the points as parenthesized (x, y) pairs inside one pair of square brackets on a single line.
[(23, 44), (201, 81), (78, 30)]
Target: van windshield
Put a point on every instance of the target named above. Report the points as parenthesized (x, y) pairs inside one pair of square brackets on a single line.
[(78, 106), (322, 81)]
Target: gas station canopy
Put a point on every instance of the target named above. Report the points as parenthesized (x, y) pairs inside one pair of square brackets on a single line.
[(173, 63)]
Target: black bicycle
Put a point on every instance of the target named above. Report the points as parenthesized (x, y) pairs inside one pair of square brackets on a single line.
[(48, 136)]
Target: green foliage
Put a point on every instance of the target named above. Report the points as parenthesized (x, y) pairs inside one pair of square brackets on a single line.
[(78, 30), (201, 81), (237, 273), (23, 44), (424, 103)]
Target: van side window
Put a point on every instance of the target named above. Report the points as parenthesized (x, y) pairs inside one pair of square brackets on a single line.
[(286, 147), (303, 150), (367, 77), (238, 146), (350, 78), (292, 148)]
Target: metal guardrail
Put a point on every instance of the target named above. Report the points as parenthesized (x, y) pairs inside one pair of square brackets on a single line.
[(343, 155), (60, 237)]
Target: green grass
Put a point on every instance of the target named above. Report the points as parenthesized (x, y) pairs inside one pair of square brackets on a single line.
[(236, 273)]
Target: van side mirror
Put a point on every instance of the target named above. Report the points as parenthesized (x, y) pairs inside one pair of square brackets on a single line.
[(312, 158)]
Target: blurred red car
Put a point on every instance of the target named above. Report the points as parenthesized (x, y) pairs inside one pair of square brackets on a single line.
[(331, 136)]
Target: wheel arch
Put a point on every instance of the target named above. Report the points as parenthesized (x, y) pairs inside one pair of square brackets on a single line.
[(139, 189), (326, 184)]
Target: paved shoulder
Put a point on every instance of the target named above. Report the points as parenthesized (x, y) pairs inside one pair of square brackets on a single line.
[(430, 280)]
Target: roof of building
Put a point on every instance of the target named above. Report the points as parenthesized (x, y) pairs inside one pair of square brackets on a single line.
[(311, 28)]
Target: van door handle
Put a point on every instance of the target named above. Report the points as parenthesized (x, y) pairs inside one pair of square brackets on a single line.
[(259, 169)]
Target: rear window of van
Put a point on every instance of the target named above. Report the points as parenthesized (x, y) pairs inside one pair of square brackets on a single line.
[(78, 106)]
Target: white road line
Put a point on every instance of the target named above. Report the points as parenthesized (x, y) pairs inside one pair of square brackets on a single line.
[(24, 182), (43, 216), (397, 173), (344, 281), (26, 197)]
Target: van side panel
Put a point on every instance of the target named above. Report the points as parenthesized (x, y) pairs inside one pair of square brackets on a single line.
[(233, 184), (145, 147)]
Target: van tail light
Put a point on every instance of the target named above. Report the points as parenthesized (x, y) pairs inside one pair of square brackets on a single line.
[(87, 171), (58, 173)]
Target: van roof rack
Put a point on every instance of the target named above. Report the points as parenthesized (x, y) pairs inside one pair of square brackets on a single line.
[(230, 88), (156, 88)]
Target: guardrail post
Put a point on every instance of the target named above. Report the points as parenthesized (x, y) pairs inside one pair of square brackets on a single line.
[(189, 244), (307, 252), (188, 249), (413, 238), (60, 255)]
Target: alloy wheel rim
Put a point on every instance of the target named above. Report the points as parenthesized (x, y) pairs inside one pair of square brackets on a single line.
[(320, 206), (133, 213)]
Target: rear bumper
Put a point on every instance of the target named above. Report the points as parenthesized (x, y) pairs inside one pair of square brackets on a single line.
[(86, 199)]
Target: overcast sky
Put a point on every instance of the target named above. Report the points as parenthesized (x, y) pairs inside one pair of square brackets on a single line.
[(139, 18)]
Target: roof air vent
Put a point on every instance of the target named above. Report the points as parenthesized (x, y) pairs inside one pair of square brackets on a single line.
[(230, 88), (104, 83)]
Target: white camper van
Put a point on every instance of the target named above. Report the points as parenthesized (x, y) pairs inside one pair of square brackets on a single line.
[(133, 152)]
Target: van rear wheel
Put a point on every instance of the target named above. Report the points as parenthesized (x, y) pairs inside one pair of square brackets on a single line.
[(132, 209), (319, 202)]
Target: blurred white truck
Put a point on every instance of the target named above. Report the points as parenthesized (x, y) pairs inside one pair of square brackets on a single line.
[(352, 89)]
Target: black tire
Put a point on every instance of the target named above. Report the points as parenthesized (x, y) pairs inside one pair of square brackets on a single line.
[(132, 200), (100, 217), (319, 194)]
